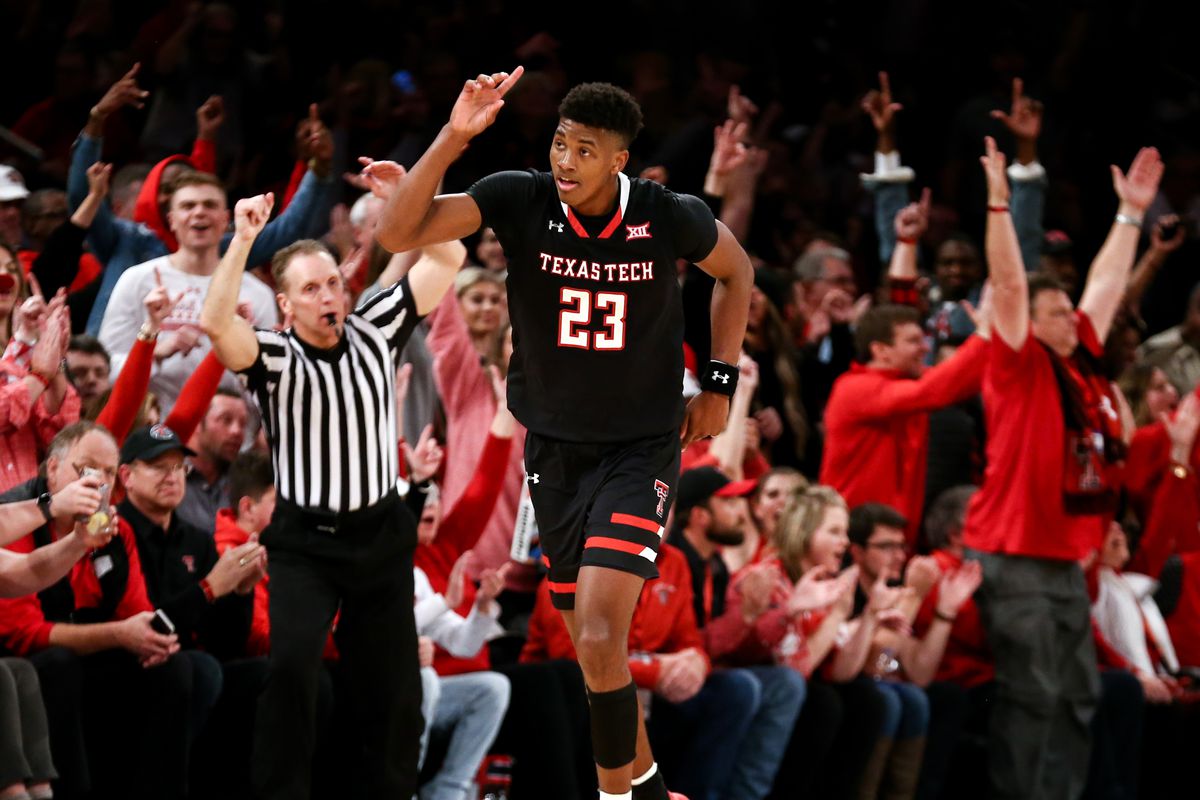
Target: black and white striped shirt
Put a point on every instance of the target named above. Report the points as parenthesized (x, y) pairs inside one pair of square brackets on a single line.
[(330, 415)]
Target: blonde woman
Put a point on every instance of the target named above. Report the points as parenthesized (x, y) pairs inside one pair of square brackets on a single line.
[(807, 625)]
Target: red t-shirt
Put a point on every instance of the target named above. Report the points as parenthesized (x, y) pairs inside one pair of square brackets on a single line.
[(1019, 510)]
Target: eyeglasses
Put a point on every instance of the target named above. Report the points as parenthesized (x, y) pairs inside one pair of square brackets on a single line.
[(890, 547), (163, 469)]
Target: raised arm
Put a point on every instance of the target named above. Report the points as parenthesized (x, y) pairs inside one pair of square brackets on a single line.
[(413, 216), (433, 273), (1166, 237), (1010, 289), (1109, 273), (889, 181), (910, 225), (1024, 122), (232, 337)]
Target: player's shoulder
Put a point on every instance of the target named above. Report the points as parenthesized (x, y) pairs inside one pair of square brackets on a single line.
[(529, 181), (660, 197)]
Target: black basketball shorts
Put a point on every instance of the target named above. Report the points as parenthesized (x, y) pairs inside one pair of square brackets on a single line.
[(601, 505)]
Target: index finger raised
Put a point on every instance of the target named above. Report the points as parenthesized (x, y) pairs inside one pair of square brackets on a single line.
[(508, 79)]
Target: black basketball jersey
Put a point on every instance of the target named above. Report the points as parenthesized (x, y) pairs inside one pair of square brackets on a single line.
[(594, 302)]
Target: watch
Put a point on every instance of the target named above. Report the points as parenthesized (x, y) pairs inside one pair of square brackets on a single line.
[(44, 506)]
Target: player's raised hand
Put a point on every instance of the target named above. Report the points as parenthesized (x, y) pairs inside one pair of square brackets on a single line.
[(251, 214), (480, 101)]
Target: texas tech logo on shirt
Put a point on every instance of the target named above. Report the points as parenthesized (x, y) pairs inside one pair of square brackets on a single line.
[(637, 231), (663, 491), (189, 563)]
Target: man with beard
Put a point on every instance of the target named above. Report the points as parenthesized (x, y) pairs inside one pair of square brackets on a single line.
[(216, 443), (712, 512)]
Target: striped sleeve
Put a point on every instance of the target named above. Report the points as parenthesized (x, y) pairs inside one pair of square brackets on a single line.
[(273, 350), (394, 312)]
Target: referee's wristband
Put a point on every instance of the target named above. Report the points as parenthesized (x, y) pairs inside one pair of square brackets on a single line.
[(720, 378)]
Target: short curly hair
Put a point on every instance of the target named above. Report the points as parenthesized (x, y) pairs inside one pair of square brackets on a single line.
[(602, 105)]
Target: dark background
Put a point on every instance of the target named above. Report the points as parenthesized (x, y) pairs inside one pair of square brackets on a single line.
[(1112, 76)]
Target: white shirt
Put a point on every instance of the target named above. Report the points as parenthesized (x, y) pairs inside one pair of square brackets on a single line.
[(125, 315), (461, 638)]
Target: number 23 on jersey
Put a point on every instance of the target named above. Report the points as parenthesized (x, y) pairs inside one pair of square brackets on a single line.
[(576, 315)]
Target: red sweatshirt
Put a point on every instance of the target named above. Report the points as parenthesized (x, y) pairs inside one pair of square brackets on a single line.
[(967, 660), (24, 628), (459, 531), (258, 643), (133, 381), (229, 534), (877, 429), (754, 465), (1147, 462), (663, 622), (146, 210), (775, 637)]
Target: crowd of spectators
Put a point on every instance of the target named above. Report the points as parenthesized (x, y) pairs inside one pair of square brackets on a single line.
[(934, 464)]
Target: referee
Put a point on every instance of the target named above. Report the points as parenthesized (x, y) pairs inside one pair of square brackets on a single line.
[(340, 539)]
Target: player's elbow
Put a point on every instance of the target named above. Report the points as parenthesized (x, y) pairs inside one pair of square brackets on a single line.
[(392, 238)]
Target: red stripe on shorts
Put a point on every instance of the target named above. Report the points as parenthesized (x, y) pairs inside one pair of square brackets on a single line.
[(609, 543), (636, 522)]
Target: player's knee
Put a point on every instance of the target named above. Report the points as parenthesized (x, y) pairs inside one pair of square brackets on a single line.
[(601, 652)]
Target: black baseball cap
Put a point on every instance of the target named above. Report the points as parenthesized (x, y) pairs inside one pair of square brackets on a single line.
[(697, 485), (146, 444)]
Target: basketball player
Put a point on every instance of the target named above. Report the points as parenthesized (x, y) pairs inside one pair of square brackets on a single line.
[(597, 364)]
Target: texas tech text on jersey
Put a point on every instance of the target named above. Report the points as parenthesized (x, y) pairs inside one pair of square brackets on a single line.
[(632, 272)]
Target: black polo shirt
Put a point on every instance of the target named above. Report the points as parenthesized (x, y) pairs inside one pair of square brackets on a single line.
[(174, 561)]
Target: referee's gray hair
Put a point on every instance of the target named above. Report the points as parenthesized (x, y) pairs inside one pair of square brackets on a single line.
[(811, 266), (283, 257)]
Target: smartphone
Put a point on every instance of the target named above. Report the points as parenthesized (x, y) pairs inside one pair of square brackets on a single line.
[(161, 623)]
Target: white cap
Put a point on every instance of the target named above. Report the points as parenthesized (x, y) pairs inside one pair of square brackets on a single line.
[(12, 185)]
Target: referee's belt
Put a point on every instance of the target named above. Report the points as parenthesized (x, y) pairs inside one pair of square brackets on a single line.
[(327, 521)]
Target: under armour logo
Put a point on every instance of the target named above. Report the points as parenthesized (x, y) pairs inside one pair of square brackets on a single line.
[(557, 227), (535, 478), (721, 376)]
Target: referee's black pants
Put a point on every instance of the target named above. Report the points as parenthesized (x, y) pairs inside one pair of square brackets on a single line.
[(361, 564)]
